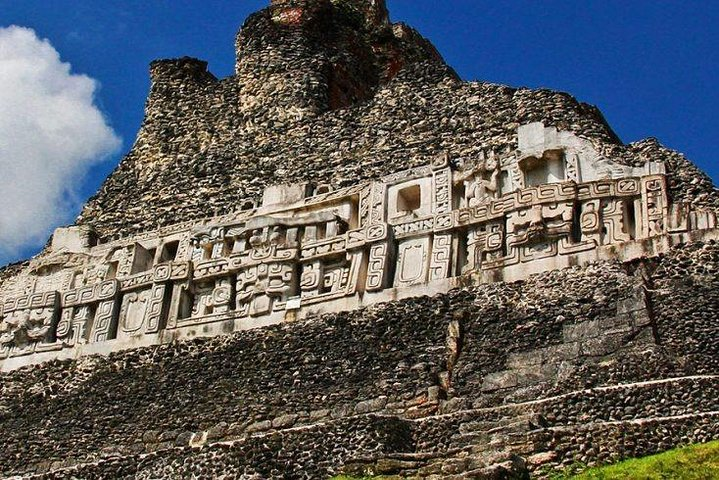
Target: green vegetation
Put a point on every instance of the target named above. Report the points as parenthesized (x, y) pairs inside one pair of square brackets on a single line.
[(698, 462)]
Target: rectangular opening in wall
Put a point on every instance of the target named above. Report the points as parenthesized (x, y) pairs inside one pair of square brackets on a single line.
[(505, 184), (143, 259), (89, 317), (458, 197), (603, 231), (535, 172), (540, 171), (409, 199), (93, 240), (576, 234), (169, 251), (462, 250), (112, 270), (309, 234), (505, 233), (232, 306), (187, 300), (239, 245), (227, 245), (630, 218)]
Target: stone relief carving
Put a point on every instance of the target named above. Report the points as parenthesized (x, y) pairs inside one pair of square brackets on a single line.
[(22, 328), (467, 217), (28, 323), (75, 325), (412, 262), (482, 182), (264, 288)]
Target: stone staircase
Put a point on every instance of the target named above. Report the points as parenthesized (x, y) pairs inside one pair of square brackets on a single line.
[(483, 448), (520, 440), (513, 441)]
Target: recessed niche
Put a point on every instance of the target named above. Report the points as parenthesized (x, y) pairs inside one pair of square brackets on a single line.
[(540, 171), (409, 199)]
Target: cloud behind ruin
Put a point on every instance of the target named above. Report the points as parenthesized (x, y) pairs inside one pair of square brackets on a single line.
[(51, 131)]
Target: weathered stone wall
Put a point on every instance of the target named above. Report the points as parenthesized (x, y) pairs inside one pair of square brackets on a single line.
[(149, 399), (685, 299), (306, 453), (486, 379), (318, 97), (414, 358)]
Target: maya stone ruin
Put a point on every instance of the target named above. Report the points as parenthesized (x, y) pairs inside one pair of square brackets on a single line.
[(343, 259)]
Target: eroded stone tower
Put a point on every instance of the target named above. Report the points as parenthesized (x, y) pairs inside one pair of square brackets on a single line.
[(343, 258)]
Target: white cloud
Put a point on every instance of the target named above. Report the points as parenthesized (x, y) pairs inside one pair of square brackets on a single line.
[(50, 133)]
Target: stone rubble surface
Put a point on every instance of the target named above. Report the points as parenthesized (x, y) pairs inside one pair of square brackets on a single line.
[(207, 146), (487, 381), (313, 386)]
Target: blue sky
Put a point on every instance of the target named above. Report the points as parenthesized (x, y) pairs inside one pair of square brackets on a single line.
[(650, 66)]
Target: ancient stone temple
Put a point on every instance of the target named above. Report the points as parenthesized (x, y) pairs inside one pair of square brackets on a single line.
[(345, 259)]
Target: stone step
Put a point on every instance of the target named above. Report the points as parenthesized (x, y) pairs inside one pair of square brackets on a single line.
[(500, 424), (567, 444), (535, 446), (489, 465), (518, 429), (486, 436), (512, 410)]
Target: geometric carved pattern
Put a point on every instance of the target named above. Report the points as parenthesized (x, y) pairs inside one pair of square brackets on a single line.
[(441, 256), (264, 288), (276, 259), (377, 267), (614, 221), (412, 262), (105, 325), (654, 205)]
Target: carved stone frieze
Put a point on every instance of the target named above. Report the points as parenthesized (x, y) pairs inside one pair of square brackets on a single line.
[(412, 262), (264, 288), (469, 217), (27, 323)]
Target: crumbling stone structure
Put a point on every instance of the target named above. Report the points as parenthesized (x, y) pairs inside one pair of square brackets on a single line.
[(345, 259)]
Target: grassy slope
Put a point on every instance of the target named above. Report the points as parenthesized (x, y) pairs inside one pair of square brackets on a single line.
[(698, 462)]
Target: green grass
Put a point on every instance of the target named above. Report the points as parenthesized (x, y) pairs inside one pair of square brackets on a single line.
[(698, 462)]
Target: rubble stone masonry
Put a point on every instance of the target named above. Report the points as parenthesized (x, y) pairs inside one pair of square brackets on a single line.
[(344, 259)]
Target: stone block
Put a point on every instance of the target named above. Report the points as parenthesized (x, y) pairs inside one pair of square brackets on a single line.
[(287, 194), (601, 346), (217, 432), (342, 411), (261, 426), (151, 436), (284, 421), (532, 138), (500, 380), (368, 406), (75, 239), (539, 459), (316, 415)]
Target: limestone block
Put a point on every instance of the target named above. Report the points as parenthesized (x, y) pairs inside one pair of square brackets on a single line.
[(75, 239), (275, 195)]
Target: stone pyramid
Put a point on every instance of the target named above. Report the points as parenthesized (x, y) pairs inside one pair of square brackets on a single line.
[(345, 259)]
